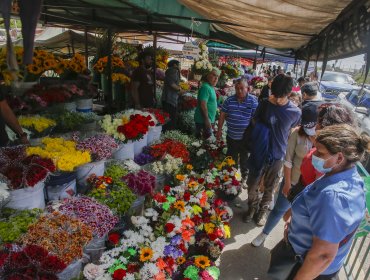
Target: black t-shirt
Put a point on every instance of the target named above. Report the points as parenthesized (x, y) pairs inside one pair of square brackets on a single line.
[(3, 135)]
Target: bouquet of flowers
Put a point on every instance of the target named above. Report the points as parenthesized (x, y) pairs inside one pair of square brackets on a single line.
[(136, 127), (39, 126), (186, 121), (201, 65), (230, 71), (158, 116), (188, 103), (184, 86), (70, 121), (199, 268), (102, 220), (140, 182), (14, 223), (178, 136), (171, 147), (101, 65), (23, 171), (100, 146), (120, 78), (42, 61), (143, 158), (71, 68), (257, 82), (169, 165), (29, 262), (63, 153), (60, 235), (115, 194), (110, 126)]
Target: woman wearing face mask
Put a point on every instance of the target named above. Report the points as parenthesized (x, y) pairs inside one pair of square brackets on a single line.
[(327, 213)]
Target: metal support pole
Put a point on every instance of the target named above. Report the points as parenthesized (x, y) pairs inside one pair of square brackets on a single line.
[(155, 65), (86, 50), (109, 68), (306, 67)]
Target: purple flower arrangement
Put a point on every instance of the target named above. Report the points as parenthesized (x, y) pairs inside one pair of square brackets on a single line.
[(102, 220), (101, 146), (143, 158), (141, 182)]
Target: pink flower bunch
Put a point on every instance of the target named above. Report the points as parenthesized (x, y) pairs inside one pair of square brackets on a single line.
[(141, 182), (95, 215), (101, 146)]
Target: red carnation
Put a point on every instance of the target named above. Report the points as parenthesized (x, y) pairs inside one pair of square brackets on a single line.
[(201, 180), (119, 274), (169, 227), (186, 196), (114, 238), (131, 268), (166, 189)]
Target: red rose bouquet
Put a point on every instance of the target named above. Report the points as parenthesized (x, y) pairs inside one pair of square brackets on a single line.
[(174, 148), (257, 82), (23, 171), (161, 116), (137, 127), (29, 262)]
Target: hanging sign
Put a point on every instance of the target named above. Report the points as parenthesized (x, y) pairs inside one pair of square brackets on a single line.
[(191, 50)]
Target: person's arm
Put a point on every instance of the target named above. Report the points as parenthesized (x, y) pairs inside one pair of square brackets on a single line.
[(221, 121), (317, 260), (11, 120), (135, 94), (288, 163)]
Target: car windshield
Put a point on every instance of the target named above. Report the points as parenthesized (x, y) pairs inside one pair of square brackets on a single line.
[(365, 101), (336, 77)]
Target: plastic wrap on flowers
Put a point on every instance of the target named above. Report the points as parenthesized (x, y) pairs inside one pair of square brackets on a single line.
[(95, 249), (4, 192), (84, 171), (27, 198), (71, 271), (60, 186)]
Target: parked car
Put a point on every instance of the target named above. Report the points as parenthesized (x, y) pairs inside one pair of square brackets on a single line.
[(333, 83), (359, 101)]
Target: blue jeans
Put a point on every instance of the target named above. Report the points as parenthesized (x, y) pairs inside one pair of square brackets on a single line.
[(281, 206)]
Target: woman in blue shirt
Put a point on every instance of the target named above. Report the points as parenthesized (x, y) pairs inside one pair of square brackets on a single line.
[(327, 213)]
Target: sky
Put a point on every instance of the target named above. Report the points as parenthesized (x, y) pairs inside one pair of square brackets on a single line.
[(354, 62)]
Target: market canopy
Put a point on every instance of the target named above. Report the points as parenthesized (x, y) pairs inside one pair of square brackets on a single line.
[(304, 29)]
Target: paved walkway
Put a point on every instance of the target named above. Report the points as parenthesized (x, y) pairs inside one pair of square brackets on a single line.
[(240, 260)]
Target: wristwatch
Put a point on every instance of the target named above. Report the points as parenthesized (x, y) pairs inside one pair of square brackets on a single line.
[(21, 135)]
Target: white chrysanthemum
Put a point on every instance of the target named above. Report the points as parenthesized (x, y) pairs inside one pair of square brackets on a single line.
[(129, 276), (4, 193), (158, 247), (148, 271), (198, 65), (93, 271)]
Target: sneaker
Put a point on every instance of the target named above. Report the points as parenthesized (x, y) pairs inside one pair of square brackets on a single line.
[(261, 217), (248, 217), (258, 241)]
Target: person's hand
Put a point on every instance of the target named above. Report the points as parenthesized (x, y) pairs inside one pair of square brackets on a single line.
[(24, 140), (286, 231), (207, 124), (182, 92), (286, 189)]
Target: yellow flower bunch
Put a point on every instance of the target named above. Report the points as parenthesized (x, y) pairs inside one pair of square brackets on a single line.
[(133, 63), (161, 65), (36, 122), (76, 63), (121, 78), (101, 64), (42, 61), (64, 153), (184, 86)]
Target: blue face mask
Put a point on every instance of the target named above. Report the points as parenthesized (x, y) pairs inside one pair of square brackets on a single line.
[(318, 164)]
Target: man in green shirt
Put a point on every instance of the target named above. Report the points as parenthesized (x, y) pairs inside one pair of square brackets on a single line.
[(205, 113)]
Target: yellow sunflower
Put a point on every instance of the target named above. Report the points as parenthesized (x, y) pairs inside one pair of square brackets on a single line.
[(179, 205), (193, 184), (146, 254), (180, 260), (180, 177), (189, 167), (202, 262)]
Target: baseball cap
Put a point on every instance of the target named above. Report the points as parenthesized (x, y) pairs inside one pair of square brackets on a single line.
[(309, 118)]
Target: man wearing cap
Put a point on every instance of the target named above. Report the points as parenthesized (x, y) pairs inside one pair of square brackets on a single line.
[(311, 101)]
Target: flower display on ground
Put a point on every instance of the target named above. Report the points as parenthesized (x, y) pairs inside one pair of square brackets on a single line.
[(37, 124), (100, 146), (62, 152), (160, 117), (101, 222), (29, 262), (136, 127), (23, 171), (60, 235), (169, 165), (171, 147), (141, 182), (110, 126)]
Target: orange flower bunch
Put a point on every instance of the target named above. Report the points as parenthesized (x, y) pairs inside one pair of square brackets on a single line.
[(76, 65), (101, 65), (60, 235)]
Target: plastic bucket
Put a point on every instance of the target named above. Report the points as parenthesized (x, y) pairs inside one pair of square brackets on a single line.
[(95, 249), (160, 181), (154, 134), (27, 198), (140, 144), (125, 151), (70, 106), (84, 171), (85, 105), (137, 206), (60, 186)]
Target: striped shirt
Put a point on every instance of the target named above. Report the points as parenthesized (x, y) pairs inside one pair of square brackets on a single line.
[(239, 115)]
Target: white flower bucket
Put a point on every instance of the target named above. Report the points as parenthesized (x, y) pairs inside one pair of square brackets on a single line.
[(84, 171), (27, 198), (140, 144), (71, 271), (70, 106), (154, 134), (125, 151), (61, 186), (85, 105)]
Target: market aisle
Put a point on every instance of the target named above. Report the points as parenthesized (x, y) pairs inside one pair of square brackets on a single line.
[(240, 260)]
